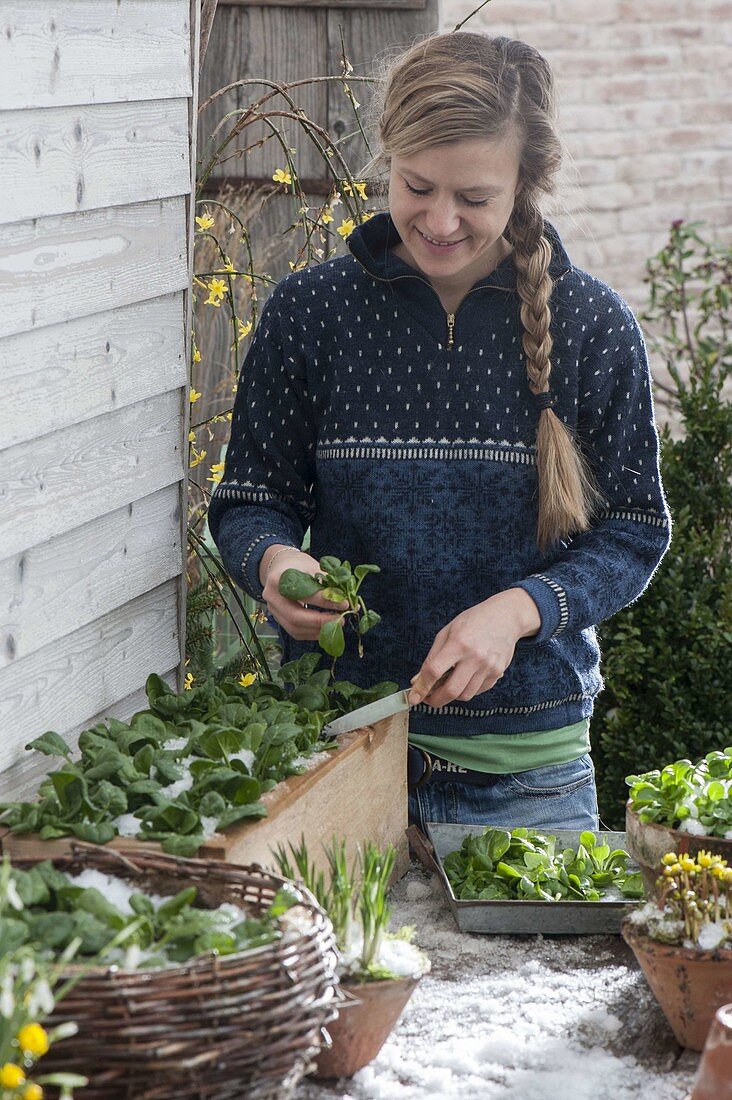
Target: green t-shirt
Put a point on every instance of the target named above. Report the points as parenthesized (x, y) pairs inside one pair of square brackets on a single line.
[(502, 753)]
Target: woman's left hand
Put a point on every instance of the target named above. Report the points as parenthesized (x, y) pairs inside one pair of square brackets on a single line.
[(478, 645)]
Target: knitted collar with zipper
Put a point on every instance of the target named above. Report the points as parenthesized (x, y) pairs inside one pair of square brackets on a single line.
[(371, 243)]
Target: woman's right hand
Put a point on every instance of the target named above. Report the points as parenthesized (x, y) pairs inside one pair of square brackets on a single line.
[(293, 616)]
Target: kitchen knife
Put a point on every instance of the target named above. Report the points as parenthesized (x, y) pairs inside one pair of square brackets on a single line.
[(366, 716), (374, 712)]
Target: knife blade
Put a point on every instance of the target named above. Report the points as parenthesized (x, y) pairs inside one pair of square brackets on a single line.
[(366, 716), (374, 712)]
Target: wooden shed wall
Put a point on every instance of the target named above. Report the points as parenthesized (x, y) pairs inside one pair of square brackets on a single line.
[(97, 98)]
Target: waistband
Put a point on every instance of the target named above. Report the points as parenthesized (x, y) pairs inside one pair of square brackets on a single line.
[(423, 766)]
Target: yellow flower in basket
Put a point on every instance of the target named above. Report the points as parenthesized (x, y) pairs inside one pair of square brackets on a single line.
[(33, 1039), (11, 1076)]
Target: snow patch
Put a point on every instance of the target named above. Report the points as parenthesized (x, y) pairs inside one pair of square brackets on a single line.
[(515, 1018)]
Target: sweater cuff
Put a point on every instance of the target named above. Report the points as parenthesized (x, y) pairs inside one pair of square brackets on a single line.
[(551, 599), (252, 559)]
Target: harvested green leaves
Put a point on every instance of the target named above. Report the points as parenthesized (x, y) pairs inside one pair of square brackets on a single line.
[(499, 865), (337, 583), (56, 911), (193, 763), (694, 798)]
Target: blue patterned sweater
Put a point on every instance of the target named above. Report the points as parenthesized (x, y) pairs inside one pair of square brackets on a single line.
[(408, 442)]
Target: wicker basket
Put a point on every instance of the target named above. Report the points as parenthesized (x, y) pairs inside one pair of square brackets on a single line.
[(234, 1026)]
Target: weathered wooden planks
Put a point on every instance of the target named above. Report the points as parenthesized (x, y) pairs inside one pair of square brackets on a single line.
[(60, 685), (97, 99), (87, 572), (56, 269), (81, 158), (74, 371), (85, 471), (93, 51)]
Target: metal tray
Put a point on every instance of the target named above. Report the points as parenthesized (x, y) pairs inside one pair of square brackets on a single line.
[(564, 918)]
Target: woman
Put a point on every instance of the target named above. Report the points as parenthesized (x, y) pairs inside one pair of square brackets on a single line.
[(457, 403)]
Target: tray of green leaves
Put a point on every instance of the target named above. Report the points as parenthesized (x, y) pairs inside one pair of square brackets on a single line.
[(192, 764), (562, 881)]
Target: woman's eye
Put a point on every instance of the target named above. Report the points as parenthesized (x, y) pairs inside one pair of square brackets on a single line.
[(414, 191)]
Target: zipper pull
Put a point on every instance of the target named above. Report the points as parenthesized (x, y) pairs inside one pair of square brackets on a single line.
[(450, 327)]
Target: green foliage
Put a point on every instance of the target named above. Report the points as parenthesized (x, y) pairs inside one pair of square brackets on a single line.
[(355, 900), (337, 583), (56, 914), (667, 659), (684, 790), (517, 865), (227, 742)]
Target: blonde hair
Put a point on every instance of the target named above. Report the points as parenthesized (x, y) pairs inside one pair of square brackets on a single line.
[(456, 86)]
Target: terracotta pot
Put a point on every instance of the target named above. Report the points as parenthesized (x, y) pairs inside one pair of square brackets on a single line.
[(688, 983), (647, 843), (363, 1026), (713, 1080)]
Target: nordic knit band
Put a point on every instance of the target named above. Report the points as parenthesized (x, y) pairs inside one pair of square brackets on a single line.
[(408, 442)]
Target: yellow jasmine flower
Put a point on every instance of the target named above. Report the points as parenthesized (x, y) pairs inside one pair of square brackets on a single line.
[(229, 415), (32, 1092), (196, 355), (217, 472), (242, 330), (194, 396), (346, 227), (11, 1076), (282, 176), (205, 221), (228, 266), (298, 266), (360, 187), (32, 1039), (188, 681), (191, 437), (366, 215), (217, 289), (196, 460), (326, 217), (245, 681)]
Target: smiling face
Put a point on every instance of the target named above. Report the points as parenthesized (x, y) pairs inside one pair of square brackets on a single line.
[(466, 195)]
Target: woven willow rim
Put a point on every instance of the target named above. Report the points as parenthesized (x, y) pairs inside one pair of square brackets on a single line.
[(233, 1026)]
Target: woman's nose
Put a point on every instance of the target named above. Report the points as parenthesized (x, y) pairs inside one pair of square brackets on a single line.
[(444, 222)]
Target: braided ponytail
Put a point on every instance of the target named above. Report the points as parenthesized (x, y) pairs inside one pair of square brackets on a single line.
[(568, 495)]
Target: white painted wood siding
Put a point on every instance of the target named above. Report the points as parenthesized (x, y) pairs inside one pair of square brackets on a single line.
[(96, 101)]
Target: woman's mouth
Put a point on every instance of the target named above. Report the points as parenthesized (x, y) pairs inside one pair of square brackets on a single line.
[(439, 246)]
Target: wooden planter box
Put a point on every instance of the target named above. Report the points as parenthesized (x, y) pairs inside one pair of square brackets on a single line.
[(359, 793)]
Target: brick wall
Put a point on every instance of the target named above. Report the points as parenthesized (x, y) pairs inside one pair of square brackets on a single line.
[(645, 114)]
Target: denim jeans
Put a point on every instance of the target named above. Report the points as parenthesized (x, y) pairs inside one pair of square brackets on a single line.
[(560, 796)]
